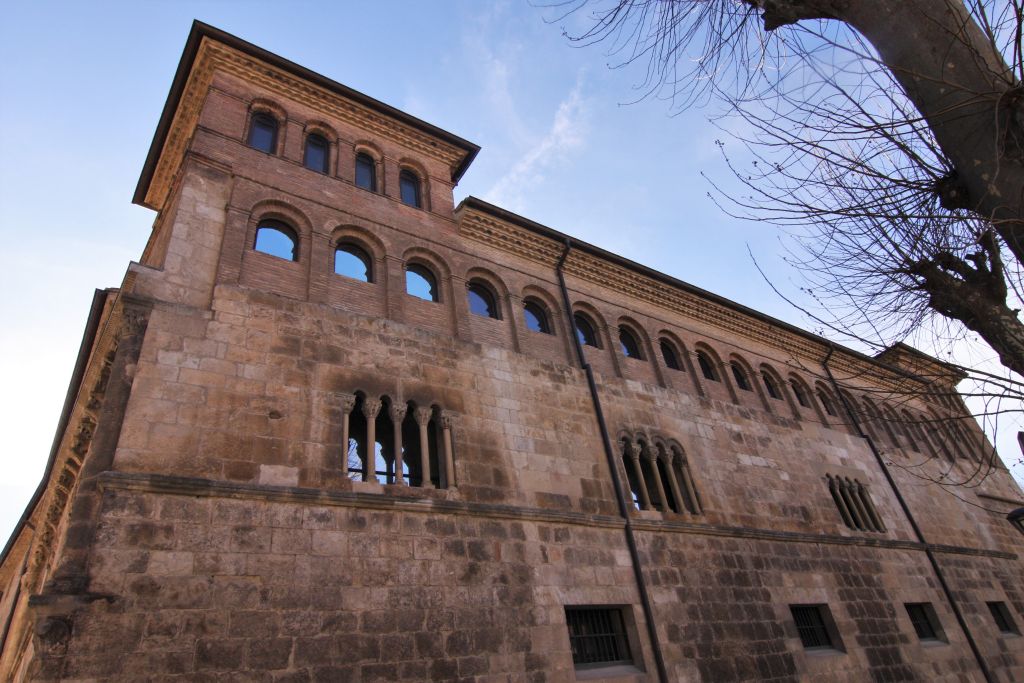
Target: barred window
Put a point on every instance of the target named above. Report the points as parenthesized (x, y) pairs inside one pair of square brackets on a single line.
[(597, 636), (814, 626), (923, 619)]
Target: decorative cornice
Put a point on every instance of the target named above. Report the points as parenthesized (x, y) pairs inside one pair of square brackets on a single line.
[(214, 55)]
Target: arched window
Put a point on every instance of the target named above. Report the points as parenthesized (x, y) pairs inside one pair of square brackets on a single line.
[(366, 172), (826, 403), (420, 282), (352, 261), (316, 154), (482, 301), (585, 331), (707, 368), (629, 344), (771, 386), (263, 132), (409, 188), (800, 393), (277, 239), (669, 355), (536, 317), (741, 377)]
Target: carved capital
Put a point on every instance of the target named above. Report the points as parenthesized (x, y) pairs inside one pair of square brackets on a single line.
[(346, 402), (371, 406), (448, 420), (397, 412), (630, 450), (422, 416)]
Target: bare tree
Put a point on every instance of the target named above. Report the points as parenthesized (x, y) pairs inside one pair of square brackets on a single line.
[(887, 136)]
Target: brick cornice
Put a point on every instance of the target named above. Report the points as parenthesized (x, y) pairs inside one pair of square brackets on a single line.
[(213, 56)]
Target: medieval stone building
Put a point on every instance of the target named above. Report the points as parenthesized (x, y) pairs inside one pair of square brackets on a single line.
[(332, 427)]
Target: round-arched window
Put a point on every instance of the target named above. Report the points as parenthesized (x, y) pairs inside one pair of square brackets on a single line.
[(536, 317), (481, 301), (353, 261), (277, 239), (707, 368), (771, 385), (263, 132), (741, 377), (800, 393), (420, 282), (669, 355), (630, 345), (409, 188), (316, 153), (585, 331), (366, 172)]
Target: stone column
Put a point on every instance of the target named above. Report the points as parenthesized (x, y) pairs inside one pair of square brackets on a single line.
[(447, 425), (666, 459), (346, 402), (651, 456), (691, 490), (638, 472), (422, 416), (397, 413), (371, 406)]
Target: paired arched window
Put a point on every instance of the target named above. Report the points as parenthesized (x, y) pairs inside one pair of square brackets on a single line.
[(482, 301), (771, 386), (536, 317), (366, 172), (669, 355), (409, 188), (707, 367), (740, 376), (263, 132), (353, 261), (629, 344), (421, 283), (277, 239), (316, 154), (800, 393), (585, 331)]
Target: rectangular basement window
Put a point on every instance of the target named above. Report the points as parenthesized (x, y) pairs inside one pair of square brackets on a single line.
[(815, 627), (925, 622), (597, 636), (1003, 618)]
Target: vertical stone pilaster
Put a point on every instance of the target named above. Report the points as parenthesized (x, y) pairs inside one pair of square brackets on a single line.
[(447, 425), (422, 416), (371, 407), (397, 414)]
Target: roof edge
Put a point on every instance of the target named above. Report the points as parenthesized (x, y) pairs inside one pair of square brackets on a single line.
[(202, 30), (545, 231)]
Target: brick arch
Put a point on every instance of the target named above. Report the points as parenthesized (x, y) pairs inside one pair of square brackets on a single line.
[(267, 105), (368, 147), (639, 332), (365, 240), (497, 287), (275, 209), (430, 258), (322, 128), (600, 323), (701, 347), (548, 302)]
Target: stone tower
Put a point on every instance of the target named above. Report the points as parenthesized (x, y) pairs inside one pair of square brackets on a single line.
[(332, 427)]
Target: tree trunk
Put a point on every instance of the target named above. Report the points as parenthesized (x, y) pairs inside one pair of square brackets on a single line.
[(963, 88)]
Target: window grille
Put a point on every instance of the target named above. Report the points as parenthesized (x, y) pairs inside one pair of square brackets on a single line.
[(597, 636), (1004, 620), (922, 618), (810, 625)]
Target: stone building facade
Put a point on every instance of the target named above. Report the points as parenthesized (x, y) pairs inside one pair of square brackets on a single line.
[(332, 427)]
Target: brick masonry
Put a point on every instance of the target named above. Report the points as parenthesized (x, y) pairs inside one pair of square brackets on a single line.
[(218, 536)]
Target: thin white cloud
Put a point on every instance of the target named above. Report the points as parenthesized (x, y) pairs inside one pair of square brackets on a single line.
[(567, 134)]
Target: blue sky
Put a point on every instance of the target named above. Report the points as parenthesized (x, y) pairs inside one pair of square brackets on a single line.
[(83, 85)]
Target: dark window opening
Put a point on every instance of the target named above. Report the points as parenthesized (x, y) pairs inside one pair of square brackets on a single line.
[(597, 636), (1016, 519), (800, 393), (585, 331), (316, 154), (924, 621), (409, 188), (811, 627), (826, 403), (741, 377), (630, 345), (854, 504), (771, 386), (669, 355), (263, 132), (536, 318), (1004, 620), (277, 239), (366, 172), (707, 368), (351, 261), (420, 283), (482, 301)]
